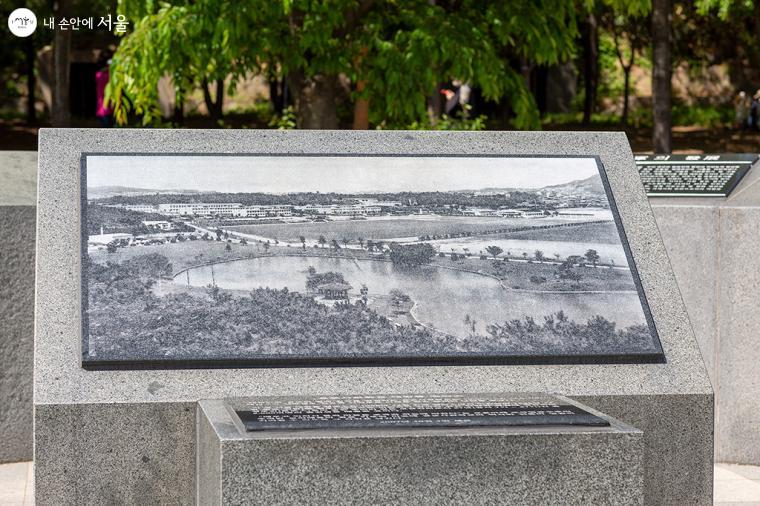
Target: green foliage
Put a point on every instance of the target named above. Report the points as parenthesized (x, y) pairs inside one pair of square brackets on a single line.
[(286, 121), (701, 115), (446, 122), (708, 116), (401, 50), (722, 7)]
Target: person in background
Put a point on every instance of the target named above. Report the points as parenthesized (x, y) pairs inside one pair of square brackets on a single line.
[(741, 106), (103, 113), (457, 95)]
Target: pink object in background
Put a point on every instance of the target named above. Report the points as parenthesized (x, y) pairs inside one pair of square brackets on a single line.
[(101, 80)]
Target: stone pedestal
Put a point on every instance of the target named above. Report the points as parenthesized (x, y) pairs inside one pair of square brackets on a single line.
[(101, 433), (18, 190), (519, 465), (714, 248)]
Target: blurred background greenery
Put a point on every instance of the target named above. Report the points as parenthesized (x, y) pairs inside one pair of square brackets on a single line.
[(666, 72)]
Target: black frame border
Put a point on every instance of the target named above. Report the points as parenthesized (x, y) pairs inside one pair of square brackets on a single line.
[(282, 361)]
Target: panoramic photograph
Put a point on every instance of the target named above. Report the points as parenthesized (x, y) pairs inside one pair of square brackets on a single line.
[(276, 258)]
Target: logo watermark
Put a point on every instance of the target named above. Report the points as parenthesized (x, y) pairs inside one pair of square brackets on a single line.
[(22, 22)]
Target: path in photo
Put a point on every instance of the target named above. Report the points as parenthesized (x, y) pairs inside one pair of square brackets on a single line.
[(332, 257)]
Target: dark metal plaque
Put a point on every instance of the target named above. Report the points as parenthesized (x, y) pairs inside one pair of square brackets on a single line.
[(693, 175), (404, 411)]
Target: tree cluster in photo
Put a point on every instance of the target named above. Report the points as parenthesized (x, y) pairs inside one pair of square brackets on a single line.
[(127, 320)]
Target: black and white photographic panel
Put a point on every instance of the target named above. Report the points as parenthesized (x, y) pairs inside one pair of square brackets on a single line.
[(264, 260)]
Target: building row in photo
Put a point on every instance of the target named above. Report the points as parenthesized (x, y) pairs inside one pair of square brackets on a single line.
[(238, 210)]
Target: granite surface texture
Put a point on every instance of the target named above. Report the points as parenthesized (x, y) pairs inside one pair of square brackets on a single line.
[(60, 380), (18, 173), (18, 192), (670, 423), (16, 331), (565, 465), (712, 244), (120, 453)]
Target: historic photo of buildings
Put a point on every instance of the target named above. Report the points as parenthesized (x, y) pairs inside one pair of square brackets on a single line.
[(276, 257)]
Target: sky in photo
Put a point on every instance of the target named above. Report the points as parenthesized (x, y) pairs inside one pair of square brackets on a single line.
[(350, 174)]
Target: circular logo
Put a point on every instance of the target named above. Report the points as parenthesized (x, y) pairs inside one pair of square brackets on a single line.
[(22, 22)]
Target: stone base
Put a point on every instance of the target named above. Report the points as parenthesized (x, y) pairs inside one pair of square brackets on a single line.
[(533, 465), (17, 228), (712, 244), (124, 436), (18, 190)]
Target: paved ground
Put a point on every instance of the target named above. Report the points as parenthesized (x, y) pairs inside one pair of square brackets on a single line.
[(734, 484), (16, 484)]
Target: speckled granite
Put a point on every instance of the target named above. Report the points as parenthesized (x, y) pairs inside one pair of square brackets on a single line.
[(18, 174), (712, 244), (517, 465), (18, 190), (59, 379), (121, 453)]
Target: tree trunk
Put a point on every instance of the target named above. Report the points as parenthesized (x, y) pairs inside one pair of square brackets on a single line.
[(275, 97), (627, 67), (590, 66), (214, 107), (435, 105), (179, 112), (61, 116), (361, 109), (626, 93), (315, 102), (31, 81), (661, 75)]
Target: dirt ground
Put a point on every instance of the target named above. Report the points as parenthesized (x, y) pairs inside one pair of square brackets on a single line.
[(14, 135)]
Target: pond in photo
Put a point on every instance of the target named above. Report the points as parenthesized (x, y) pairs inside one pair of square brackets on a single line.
[(443, 297)]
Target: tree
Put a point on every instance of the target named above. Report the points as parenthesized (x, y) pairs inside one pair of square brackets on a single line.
[(345, 241), (303, 241), (592, 256), (322, 241), (61, 114), (626, 20), (266, 247), (539, 256), (494, 251), (566, 269), (393, 53), (228, 248), (661, 76), (193, 43), (590, 36), (360, 240), (412, 255)]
